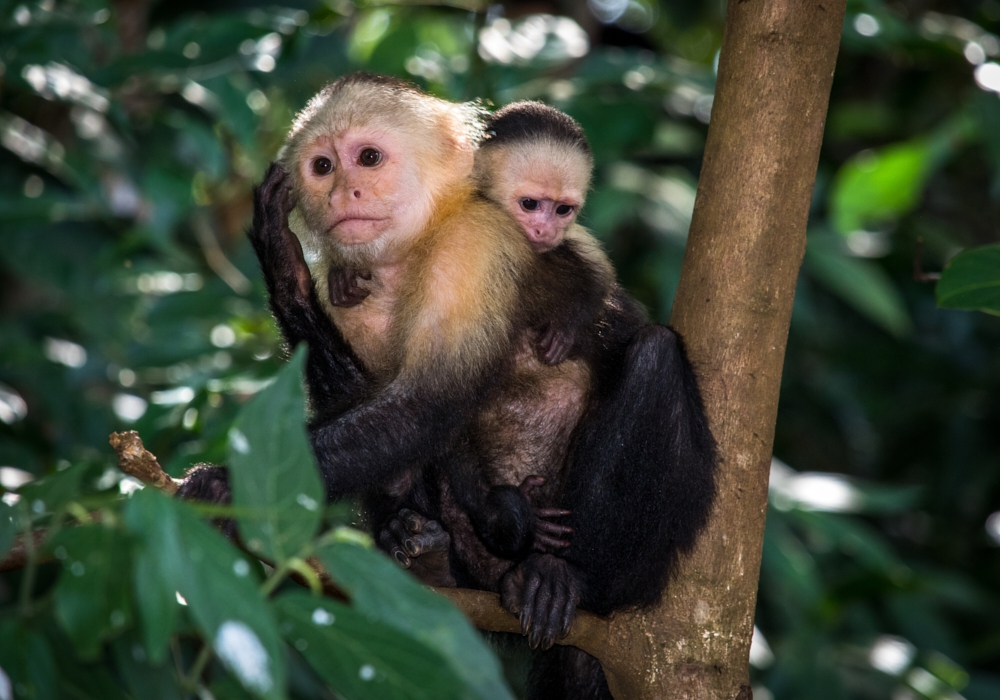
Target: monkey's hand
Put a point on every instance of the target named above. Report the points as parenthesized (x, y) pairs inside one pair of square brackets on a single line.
[(209, 484), (278, 249), (543, 591), (554, 344), (420, 545), (343, 285), (549, 537)]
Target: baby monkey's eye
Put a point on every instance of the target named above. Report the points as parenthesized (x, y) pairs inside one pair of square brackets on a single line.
[(322, 166), (564, 210), (369, 158), (529, 204)]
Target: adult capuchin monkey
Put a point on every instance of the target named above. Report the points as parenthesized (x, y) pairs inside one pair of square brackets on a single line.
[(436, 355)]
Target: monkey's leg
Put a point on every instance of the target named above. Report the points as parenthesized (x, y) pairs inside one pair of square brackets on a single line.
[(420, 545)]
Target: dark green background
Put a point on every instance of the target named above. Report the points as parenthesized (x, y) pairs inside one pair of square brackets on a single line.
[(128, 157)]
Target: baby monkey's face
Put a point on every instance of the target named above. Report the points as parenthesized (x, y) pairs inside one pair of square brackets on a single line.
[(543, 215)]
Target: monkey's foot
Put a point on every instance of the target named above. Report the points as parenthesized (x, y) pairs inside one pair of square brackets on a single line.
[(343, 285), (420, 545), (209, 484), (543, 591)]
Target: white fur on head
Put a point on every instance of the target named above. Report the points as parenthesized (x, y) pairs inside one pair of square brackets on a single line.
[(441, 134), (549, 167)]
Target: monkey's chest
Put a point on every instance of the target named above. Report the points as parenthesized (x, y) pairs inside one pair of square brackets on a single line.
[(526, 430), (366, 328)]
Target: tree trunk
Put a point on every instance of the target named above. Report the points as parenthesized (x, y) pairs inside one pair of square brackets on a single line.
[(733, 307)]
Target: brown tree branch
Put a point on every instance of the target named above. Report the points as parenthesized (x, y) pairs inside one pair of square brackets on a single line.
[(135, 460)]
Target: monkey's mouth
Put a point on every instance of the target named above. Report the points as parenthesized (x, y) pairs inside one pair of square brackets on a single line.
[(351, 226)]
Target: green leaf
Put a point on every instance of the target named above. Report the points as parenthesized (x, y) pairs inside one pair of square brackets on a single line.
[(92, 601), (275, 482), (860, 283), (145, 680), (875, 187), (222, 595), (380, 589), (971, 280), (8, 528), (362, 658), (50, 494), (158, 554), (27, 660)]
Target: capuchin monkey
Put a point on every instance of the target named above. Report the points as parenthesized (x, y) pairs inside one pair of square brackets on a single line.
[(437, 335), (433, 379)]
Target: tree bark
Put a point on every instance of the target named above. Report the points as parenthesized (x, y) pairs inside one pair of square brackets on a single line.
[(733, 308)]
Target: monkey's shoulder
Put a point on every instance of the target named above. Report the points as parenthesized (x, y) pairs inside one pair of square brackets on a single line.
[(462, 300)]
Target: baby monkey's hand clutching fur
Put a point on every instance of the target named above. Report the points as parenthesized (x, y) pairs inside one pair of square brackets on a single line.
[(345, 291)]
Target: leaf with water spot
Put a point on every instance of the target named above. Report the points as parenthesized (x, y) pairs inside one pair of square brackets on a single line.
[(276, 486), (362, 658)]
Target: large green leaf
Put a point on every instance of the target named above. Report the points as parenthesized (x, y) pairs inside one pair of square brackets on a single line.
[(380, 589), (92, 601), (361, 658), (276, 486), (146, 680), (158, 555), (215, 580), (860, 283), (27, 662), (971, 280), (875, 187)]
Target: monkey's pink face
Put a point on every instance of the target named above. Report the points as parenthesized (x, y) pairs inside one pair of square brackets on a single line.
[(360, 185), (543, 215)]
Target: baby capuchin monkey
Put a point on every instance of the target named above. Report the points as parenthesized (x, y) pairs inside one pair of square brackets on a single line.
[(534, 162)]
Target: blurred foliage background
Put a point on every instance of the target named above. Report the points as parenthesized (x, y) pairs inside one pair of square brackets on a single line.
[(129, 298)]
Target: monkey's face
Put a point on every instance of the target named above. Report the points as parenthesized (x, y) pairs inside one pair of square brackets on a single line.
[(360, 185), (543, 214), (541, 183)]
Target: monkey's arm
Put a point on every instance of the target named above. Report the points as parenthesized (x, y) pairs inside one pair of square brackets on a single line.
[(403, 426), (568, 298), (641, 483), (334, 375)]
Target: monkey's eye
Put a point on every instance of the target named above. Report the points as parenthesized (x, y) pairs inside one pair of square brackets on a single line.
[(322, 166), (564, 210), (529, 204), (370, 158)]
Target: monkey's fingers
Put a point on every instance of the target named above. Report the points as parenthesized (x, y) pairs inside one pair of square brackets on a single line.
[(390, 544), (531, 482), (547, 544), (553, 528), (531, 585), (542, 609), (552, 512), (553, 346)]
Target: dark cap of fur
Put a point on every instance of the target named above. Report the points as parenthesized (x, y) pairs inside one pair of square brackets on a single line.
[(527, 121)]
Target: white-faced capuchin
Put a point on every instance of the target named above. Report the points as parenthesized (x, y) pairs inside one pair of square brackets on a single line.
[(435, 373)]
